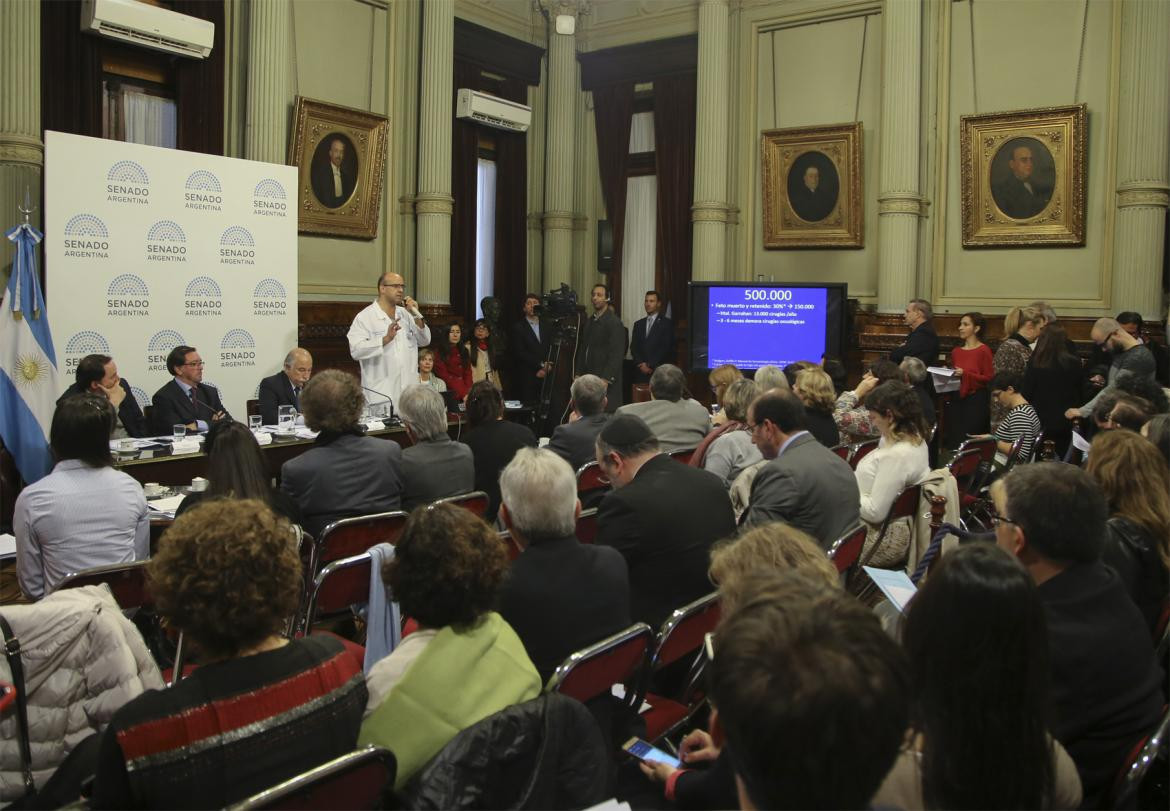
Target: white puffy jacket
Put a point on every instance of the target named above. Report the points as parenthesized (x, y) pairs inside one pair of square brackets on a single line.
[(82, 661)]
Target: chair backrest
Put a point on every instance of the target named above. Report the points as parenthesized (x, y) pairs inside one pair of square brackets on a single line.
[(476, 501), (354, 781), (985, 446), (1145, 753), (844, 451), (589, 478), (847, 549), (593, 670), (906, 504), (352, 536), (964, 466), (1013, 455), (340, 584), (126, 580), (684, 629), (682, 455), (587, 525), (862, 450)]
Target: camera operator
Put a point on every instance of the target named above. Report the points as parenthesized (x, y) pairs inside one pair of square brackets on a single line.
[(531, 338)]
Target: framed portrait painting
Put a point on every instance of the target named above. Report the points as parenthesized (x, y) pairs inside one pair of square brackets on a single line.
[(812, 187), (340, 154), (1023, 181)]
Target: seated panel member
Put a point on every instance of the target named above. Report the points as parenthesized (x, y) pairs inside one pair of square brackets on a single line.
[(186, 399), (434, 466), (284, 387), (98, 374), (574, 440)]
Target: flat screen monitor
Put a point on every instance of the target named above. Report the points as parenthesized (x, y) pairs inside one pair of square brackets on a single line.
[(750, 325)]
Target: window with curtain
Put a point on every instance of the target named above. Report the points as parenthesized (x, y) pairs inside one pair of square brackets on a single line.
[(640, 245), (485, 232), (139, 113)]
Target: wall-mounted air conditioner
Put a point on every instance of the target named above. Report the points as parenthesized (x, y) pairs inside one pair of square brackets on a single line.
[(149, 26), (492, 111)]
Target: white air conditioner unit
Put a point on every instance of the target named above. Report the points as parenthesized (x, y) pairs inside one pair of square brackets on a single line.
[(492, 111), (149, 26)]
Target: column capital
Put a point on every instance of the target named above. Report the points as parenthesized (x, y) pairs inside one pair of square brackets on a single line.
[(572, 8), (1143, 193), (724, 3)]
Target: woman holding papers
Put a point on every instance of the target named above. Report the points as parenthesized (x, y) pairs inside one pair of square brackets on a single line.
[(971, 411)]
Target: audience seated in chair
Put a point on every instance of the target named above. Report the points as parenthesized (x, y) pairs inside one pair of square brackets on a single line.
[(561, 595), (464, 662), (236, 469), (345, 473), (676, 421), (1157, 431), (1136, 485), (1105, 686), (978, 653), (662, 516), (853, 418), (770, 377), (260, 709), (434, 466), (1019, 422), (83, 514), (900, 460), (792, 637), (720, 380), (493, 440), (815, 390), (728, 450), (574, 440), (804, 484)]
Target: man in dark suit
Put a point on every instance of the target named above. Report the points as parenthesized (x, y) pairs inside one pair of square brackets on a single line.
[(284, 387), (922, 342), (332, 182), (662, 516), (531, 339), (652, 343), (186, 400), (98, 374), (575, 440), (434, 466), (561, 595), (603, 345), (346, 473), (805, 484), (1017, 194)]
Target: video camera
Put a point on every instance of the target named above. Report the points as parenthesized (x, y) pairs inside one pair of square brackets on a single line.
[(559, 303)]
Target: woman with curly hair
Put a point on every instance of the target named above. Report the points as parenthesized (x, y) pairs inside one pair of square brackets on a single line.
[(815, 389), (465, 662), (453, 364), (719, 379), (259, 709), (1136, 483)]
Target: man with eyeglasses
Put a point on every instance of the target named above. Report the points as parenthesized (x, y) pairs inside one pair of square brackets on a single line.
[(384, 339), (1130, 358), (1104, 692), (186, 399)]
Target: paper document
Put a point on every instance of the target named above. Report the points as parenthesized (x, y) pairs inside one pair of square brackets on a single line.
[(7, 546), (894, 584), (167, 505), (619, 692), (1080, 443), (944, 379)]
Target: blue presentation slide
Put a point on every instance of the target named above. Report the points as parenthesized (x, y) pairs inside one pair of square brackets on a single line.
[(750, 327)]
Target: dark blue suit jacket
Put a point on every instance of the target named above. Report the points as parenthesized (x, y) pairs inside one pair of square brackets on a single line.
[(275, 391), (654, 349)]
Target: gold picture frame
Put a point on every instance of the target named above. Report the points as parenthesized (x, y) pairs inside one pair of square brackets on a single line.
[(340, 155), (1023, 181), (812, 187)]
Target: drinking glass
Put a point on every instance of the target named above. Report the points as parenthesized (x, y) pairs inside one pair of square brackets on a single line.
[(286, 414), (180, 431), (254, 422)]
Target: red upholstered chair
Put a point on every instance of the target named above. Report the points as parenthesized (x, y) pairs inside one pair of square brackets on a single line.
[(844, 451), (682, 455), (861, 450), (510, 544), (592, 671), (904, 506), (1136, 767), (352, 536), (353, 781), (847, 549), (475, 501), (985, 446), (681, 636), (340, 584), (126, 580), (587, 525), (590, 479)]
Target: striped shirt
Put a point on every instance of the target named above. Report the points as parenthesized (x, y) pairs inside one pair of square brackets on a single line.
[(1020, 422)]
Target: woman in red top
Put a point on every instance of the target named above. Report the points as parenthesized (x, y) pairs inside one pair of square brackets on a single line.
[(971, 411), (452, 364)]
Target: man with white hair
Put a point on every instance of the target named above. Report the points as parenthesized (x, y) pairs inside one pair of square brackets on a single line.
[(561, 595), (284, 387), (434, 466)]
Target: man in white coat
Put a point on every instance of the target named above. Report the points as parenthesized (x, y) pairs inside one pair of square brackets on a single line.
[(384, 339)]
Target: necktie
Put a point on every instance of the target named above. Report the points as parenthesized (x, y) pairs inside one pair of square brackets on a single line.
[(297, 397), (191, 393)]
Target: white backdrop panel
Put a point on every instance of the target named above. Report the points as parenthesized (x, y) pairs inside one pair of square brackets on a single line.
[(148, 248)]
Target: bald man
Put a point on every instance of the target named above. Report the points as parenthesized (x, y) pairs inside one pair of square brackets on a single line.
[(284, 387), (384, 339)]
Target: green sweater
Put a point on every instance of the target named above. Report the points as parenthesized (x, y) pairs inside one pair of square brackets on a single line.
[(460, 678)]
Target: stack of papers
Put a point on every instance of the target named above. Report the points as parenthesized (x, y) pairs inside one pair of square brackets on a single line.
[(165, 506), (897, 587), (7, 546), (943, 378), (188, 445)]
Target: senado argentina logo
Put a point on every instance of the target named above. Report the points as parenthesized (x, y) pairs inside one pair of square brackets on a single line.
[(127, 296), (203, 191), (86, 237), (269, 199), (236, 246), (203, 297), (269, 298), (166, 242), (159, 346), (128, 182), (237, 348), (84, 343)]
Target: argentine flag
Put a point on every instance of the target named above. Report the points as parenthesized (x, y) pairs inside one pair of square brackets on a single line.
[(28, 364)]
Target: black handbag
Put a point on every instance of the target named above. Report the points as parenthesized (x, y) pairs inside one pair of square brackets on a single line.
[(16, 667)]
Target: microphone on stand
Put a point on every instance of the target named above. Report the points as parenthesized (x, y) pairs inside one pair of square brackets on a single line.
[(386, 398)]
